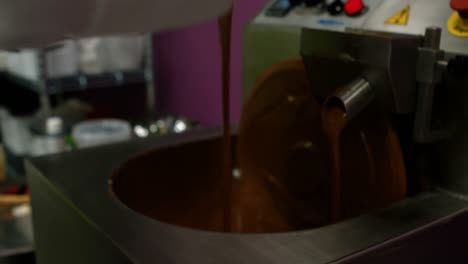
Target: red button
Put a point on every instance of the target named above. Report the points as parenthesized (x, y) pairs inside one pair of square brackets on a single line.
[(353, 7), (461, 6)]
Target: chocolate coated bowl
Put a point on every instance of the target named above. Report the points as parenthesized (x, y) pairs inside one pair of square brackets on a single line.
[(179, 185), (284, 182), (282, 145), (182, 185)]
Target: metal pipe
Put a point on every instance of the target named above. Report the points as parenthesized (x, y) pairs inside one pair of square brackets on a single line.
[(430, 66), (353, 98), (432, 37), (149, 77)]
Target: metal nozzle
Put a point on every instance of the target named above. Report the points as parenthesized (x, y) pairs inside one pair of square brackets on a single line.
[(353, 98)]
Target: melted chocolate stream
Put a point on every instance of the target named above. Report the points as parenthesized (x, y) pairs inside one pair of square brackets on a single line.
[(225, 38), (334, 121)]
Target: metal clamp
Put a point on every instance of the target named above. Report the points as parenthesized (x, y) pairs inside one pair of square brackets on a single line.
[(428, 76)]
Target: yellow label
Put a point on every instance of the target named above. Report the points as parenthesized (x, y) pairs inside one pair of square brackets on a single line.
[(401, 18), (458, 26)]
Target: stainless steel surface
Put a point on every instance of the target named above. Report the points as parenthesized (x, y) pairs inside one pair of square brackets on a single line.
[(402, 61), (340, 57), (354, 97), (444, 242), (145, 240)]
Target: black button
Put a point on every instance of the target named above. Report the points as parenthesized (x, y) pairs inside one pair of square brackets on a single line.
[(312, 2), (335, 8), (295, 2)]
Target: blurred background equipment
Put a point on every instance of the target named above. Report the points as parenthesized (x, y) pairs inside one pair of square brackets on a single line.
[(100, 132), (51, 87), (64, 97)]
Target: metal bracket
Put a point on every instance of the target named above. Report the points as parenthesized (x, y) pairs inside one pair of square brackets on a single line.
[(428, 75)]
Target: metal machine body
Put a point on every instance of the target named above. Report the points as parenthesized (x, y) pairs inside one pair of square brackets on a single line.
[(78, 220), (418, 71), (410, 66), (73, 204), (270, 39), (403, 63)]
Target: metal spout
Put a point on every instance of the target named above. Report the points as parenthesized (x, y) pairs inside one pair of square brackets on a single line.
[(352, 98)]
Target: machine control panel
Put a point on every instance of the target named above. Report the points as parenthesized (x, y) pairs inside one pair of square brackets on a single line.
[(334, 15), (281, 8), (394, 16)]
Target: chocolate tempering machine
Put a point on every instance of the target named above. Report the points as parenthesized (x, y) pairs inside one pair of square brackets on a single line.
[(411, 64)]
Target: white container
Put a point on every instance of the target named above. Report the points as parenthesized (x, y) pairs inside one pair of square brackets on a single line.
[(101, 132)]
